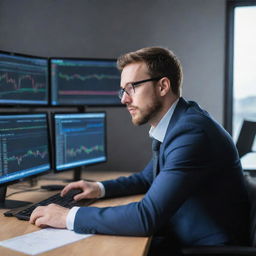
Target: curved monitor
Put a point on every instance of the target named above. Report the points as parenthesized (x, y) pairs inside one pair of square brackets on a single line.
[(24, 148), (23, 79), (80, 139), (84, 82)]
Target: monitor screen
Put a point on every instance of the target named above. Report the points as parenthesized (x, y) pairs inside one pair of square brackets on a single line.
[(84, 82), (80, 139), (24, 146), (23, 79)]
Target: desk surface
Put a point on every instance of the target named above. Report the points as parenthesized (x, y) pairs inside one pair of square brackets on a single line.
[(97, 245)]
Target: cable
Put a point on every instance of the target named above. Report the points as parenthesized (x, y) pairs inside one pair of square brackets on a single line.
[(23, 191)]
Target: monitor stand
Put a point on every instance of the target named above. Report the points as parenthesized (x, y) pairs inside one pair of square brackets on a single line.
[(9, 204), (77, 174)]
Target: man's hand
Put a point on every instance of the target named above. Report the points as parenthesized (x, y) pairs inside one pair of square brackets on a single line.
[(51, 215), (90, 189)]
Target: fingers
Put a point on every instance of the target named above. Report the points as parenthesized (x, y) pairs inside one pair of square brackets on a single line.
[(90, 189), (37, 217), (51, 215), (70, 186), (40, 222), (80, 196)]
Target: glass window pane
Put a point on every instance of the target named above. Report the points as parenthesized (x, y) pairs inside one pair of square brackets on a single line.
[(244, 75)]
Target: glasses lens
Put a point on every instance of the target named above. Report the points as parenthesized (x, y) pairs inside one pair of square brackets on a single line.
[(129, 89), (121, 93)]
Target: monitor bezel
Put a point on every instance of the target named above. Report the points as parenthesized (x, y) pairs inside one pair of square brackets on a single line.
[(78, 104), (47, 104), (49, 148), (54, 165)]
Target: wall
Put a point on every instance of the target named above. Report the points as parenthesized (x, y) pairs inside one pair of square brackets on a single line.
[(193, 29)]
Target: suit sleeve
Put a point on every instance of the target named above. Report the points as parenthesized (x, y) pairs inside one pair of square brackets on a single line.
[(137, 183), (184, 159)]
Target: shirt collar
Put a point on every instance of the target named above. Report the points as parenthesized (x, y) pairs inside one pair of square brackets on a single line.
[(159, 131)]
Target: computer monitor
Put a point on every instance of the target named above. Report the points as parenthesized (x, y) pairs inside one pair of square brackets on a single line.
[(23, 79), (84, 82), (24, 150), (80, 140)]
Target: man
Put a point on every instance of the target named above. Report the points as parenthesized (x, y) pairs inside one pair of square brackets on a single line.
[(194, 192)]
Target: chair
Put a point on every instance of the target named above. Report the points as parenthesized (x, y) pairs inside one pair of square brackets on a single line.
[(232, 250), (246, 137)]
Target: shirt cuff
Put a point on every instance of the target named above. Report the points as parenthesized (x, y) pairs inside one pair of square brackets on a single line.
[(71, 217), (102, 190)]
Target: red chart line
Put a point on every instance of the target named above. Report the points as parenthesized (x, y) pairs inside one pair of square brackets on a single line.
[(87, 93)]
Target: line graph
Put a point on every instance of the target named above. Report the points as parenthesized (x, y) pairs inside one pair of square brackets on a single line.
[(31, 154), (83, 146), (77, 92), (23, 142), (87, 77), (73, 152), (85, 83), (79, 140)]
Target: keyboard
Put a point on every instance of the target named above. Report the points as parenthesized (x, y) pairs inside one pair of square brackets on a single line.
[(66, 201)]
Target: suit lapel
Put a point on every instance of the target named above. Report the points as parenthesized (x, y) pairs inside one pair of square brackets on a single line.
[(179, 110)]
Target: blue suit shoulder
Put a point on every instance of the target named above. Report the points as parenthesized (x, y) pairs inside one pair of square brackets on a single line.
[(191, 124)]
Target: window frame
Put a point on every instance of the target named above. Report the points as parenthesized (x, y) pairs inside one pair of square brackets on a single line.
[(229, 81)]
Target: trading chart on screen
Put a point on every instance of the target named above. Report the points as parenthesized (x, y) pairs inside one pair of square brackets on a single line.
[(84, 82), (23, 146), (23, 80), (79, 139)]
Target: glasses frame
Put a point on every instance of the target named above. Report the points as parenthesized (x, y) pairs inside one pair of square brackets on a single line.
[(136, 84)]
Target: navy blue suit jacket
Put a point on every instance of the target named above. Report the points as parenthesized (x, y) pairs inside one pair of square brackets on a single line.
[(198, 197)]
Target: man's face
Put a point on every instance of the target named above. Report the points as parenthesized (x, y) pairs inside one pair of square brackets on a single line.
[(145, 103)]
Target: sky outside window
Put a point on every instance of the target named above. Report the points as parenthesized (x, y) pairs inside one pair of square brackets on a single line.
[(244, 92)]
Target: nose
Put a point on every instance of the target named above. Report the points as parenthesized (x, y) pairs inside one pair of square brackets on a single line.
[(126, 98)]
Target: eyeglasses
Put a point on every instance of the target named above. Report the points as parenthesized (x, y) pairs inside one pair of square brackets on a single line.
[(130, 88)]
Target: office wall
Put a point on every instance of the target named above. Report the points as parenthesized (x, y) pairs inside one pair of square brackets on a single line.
[(193, 29)]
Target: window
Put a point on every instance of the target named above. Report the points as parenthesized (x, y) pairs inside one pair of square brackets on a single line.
[(241, 67)]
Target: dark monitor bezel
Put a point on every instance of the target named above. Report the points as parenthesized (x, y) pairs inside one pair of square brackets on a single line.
[(49, 149), (79, 104), (54, 142), (26, 104)]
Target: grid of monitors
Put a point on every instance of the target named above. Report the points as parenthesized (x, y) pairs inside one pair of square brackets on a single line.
[(24, 146), (80, 139), (84, 82), (23, 79)]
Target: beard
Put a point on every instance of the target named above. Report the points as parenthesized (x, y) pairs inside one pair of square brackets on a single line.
[(143, 116)]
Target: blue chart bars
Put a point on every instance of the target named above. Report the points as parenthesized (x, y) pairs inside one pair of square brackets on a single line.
[(24, 146), (80, 139), (23, 80), (84, 82)]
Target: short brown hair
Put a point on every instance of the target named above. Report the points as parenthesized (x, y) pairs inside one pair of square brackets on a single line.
[(161, 62)]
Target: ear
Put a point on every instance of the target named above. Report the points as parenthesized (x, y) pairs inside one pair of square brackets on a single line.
[(164, 86)]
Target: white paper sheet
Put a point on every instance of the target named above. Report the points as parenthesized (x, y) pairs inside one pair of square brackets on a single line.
[(42, 240)]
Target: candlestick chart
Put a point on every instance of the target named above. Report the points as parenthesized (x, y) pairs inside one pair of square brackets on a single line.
[(23, 80)]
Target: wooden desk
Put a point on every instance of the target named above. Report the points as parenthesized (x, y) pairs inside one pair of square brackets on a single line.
[(97, 245)]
